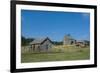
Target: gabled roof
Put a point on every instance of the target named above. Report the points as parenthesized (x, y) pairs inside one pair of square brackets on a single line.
[(80, 41), (39, 40)]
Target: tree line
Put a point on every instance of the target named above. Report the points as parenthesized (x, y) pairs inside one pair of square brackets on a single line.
[(25, 41)]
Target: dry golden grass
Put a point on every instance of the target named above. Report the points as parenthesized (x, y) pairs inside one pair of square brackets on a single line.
[(66, 48)]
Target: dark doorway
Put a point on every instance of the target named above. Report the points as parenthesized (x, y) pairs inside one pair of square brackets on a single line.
[(46, 46), (72, 42)]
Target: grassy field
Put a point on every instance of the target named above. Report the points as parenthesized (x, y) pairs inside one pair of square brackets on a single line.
[(58, 53)]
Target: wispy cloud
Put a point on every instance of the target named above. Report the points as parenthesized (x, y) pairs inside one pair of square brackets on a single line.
[(85, 15)]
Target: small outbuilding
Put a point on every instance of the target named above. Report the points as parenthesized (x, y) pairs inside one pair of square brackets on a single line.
[(44, 44)]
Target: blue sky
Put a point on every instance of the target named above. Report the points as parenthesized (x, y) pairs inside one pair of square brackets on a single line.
[(52, 24)]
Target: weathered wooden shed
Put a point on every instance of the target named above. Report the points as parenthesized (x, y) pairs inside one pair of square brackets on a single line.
[(44, 44)]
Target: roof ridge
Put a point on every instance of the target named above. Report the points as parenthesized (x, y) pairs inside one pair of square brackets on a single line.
[(38, 40)]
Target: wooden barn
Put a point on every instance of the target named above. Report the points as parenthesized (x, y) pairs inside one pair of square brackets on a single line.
[(44, 44), (68, 40)]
